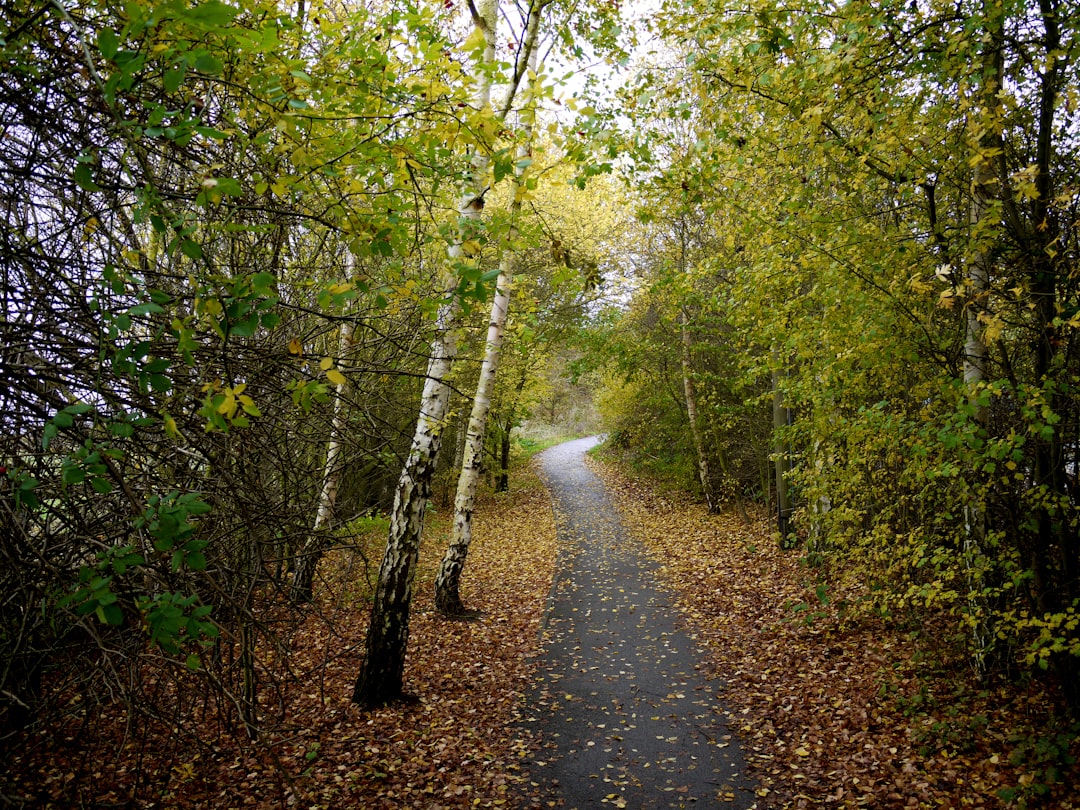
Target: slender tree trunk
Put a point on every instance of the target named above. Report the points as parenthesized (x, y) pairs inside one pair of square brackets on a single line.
[(380, 680), (502, 481), (781, 418), (1056, 542), (984, 188), (448, 579), (704, 473), (308, 559), (382, 674)]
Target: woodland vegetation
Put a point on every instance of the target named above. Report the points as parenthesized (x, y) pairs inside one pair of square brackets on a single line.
[(264, 265)]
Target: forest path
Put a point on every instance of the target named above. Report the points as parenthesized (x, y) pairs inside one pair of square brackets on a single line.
[(625, 714)]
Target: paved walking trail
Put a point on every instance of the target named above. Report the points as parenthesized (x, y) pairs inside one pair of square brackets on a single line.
[(626, 715)]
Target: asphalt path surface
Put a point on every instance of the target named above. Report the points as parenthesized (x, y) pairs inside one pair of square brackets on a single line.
[(624, 711)]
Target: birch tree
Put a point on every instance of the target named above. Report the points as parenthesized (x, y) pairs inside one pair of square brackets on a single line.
[(381, 676), (308, 559), (448, 579)]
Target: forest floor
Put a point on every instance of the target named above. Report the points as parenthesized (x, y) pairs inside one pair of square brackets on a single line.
[(175, 744), (829, 713)]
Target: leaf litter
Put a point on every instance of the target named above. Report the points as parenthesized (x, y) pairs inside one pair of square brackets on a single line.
[(455, 746), (830, 714), (841, 713)]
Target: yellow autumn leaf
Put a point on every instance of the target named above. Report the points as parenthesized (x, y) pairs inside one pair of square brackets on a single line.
[(335, 376), (227, 406), (171, 430), (325, 363), (475, 40)]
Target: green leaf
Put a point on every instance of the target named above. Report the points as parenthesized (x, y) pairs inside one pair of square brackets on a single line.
[(206, 63), (191, 249), (149, 308), (173, 79), (122, 430), (103, 486), (110, 614), (210, 132), (246, 327), (161, 383), (84, 178), (108, 42), (211, 14), (263, 283), (73, 475)]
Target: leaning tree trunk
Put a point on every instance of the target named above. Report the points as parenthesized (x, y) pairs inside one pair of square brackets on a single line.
[(308, 559), (448, 580), (382, 673), (380, 679)]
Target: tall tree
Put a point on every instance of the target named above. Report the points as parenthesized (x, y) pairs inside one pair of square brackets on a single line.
[(307, 560), (381, 676), (448, 578)]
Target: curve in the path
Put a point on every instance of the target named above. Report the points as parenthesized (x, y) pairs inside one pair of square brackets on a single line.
[(622, 706)]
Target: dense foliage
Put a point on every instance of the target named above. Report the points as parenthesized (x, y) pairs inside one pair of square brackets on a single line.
[(882, 200), (225, 240), (235, 234)]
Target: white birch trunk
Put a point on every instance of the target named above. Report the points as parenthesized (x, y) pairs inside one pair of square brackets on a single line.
[(448, 579), (308, 560), (381, 677), (447, 598)]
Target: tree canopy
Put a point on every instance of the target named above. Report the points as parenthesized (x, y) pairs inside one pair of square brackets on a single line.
[(819, 259)]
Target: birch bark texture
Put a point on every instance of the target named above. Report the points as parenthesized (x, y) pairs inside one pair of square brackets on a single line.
[(448, 579), (381, 676)]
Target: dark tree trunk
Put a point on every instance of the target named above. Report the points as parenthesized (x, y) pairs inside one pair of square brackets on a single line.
[(502, 482)]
